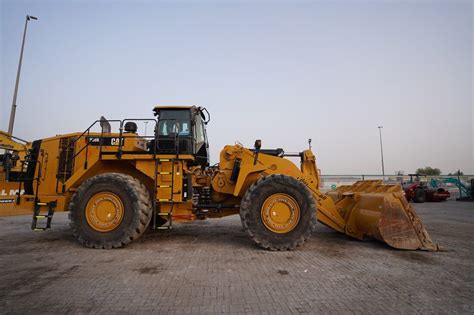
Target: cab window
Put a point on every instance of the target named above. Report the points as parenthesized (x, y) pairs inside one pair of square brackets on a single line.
[(199, 130), (168, 127), (172, 122)]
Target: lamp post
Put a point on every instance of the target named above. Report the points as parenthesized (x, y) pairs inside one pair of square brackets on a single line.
[(15, 93), (381, 151)]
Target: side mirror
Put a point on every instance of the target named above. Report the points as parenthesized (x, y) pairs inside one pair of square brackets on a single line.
[(205, 119), (257, 145)]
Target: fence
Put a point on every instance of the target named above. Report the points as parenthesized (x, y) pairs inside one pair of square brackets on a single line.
[(456, 185)]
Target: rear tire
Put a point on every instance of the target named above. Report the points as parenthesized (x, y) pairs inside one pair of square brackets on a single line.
[(287, 235), (420, 196), (130, 217)]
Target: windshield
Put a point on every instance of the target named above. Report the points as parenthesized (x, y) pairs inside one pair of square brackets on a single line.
[(168, 127), (172, 122)]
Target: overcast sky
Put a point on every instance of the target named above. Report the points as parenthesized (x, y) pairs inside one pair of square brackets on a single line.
[(281, 71)]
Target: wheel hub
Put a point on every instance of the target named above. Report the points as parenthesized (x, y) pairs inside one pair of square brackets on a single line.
[(104, 211), (280, 213)]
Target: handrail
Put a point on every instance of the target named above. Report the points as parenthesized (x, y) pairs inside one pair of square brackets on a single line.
[(121, 137), (88, 132), (122, 123)]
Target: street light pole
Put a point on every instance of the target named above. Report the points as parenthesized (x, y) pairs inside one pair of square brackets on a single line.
[(15, 93), (381, 150)]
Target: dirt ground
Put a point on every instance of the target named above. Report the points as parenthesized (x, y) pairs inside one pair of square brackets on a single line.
[(212, 267)]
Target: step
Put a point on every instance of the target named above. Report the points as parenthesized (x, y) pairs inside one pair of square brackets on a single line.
[(43, 216), (47, 216), (167, 227)]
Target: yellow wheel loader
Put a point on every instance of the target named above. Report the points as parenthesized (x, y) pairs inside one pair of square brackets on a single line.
[(15, 149), (14, 154), (116, 184)]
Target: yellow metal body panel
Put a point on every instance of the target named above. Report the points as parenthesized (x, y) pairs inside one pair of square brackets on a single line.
[(8, 195), (268, 165), (91, 160), (7, 142)]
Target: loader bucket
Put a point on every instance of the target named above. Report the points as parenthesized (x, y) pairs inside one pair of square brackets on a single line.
[(374, 210)]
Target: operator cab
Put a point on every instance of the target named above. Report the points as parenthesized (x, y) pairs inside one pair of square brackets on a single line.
[(182, 130)]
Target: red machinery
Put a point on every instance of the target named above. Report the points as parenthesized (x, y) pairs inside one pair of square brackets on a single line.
[(419, 191)]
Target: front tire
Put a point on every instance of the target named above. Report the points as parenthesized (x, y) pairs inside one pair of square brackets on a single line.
[(278, 212), (109, 211), (420, 196)]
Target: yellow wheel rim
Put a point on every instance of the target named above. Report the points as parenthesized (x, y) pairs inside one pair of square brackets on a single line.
[(280, 213), (104, 211)]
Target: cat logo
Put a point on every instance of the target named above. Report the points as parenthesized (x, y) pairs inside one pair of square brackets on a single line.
[(106, 141)]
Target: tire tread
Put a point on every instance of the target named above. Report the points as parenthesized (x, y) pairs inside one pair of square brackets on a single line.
[(246, 208), (132, 232)]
